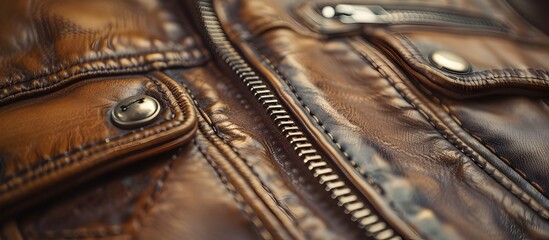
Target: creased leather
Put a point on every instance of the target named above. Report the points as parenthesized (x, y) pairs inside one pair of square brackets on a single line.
[(35, 159), (434, 155), (493, 73), (161, 199), (235, 119), (521, 69), (520, 143), (45, 44), (316, 72)]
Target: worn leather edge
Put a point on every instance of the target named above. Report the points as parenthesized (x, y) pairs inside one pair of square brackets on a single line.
[(473, 150), (212, 156), (492, 155), (94, 161), (115, 65), (128, 229), (368, 188), (484, 82), (366, 185), (261, 190), (480, 83), (266, 223)]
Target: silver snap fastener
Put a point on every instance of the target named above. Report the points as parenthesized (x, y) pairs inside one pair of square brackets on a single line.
[(449, 61), (135, 111), (328, 12)]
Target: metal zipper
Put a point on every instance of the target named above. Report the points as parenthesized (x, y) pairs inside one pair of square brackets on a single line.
[(348, 18), (372, 224), (348, 13)]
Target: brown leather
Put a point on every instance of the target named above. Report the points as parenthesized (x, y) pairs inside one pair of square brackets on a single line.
[(533, 11), (46, 44), (84, 141), (273, 124)]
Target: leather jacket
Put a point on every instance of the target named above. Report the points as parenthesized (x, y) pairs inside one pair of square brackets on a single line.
[(261, 119)]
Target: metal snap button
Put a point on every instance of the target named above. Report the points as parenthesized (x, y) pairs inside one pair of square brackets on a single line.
[(135, 111), (449, 61)]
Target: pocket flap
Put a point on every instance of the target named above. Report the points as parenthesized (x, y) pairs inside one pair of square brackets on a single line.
[(496, 64), (52, 142), (496, 55)]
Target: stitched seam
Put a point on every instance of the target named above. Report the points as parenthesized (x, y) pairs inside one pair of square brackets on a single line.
[(75, 150), (480, 164), (105, 61), (285, 209), (476, 77), (112, 230), (163, 93), (244, 207), (65, 154), (145, 65), (83, 148), (159, 187), (118, 58), (378, 188), (487, 146), (472, 75), (490, 148)]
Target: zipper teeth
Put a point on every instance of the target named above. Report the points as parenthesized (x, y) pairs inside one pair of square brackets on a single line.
[(366, 219), (419, 17)]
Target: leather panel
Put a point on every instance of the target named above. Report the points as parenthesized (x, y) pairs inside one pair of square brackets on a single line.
[(448, 156), (533, 11), (316, 72), (85, 139), (516, 134), (360, 108), (44, 44), (235, 117), (520, 70), (163, 198), (512, 63), (173, 194)]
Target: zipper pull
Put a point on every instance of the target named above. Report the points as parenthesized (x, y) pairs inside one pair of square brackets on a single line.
[(345, 19), (347, 13)]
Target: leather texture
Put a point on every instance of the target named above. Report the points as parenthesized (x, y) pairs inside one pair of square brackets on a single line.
[(76, 114), (50, 43), (532, 10), (275, 122)]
